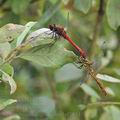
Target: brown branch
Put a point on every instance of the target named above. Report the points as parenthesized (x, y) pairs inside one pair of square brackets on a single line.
[(52, 85), (96, 30)]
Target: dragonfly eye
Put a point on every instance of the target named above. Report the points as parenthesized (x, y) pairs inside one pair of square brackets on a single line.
[(50, 27)]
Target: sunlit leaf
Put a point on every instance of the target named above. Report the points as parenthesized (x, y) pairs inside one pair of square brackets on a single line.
[(4, 49), (40, 37), (113, 13), (108, 78), (10, 32), (28, 26), (83, 5), (6, 103)]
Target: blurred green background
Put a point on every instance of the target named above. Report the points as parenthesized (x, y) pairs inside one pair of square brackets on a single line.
[(66, 93)]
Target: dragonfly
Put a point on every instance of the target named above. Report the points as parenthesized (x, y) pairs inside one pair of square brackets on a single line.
[(59, 31)]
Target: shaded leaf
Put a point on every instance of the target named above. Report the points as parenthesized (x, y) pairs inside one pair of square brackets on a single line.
[(43, 105), (9, 17), (113, 13), (9, 79), (10, 32), (13, 117), (49, 55), (48, 14), (83, 5), (19, 6), (67, 73), (108, 78), (6, 103)]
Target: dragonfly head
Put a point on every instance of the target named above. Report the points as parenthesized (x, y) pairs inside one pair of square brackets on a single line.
[(51, 27)]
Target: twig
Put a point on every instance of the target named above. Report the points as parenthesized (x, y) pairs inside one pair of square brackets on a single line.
[(52, 84), (15, 51), (96, 30)]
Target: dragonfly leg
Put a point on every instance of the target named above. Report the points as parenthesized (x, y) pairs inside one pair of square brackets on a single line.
[(78, 66)]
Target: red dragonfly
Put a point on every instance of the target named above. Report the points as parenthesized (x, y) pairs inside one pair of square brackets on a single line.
[(59, 31)]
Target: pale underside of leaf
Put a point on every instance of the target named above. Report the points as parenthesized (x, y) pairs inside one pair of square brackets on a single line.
[(108, 78), (40, 37)]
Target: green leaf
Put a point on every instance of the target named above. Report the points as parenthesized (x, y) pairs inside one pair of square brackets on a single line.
[(4, 49), (90, 91), (9, 79), (10, 32), (108, 78), (22, 36), (113, 13), (19, 6), (6, 103), (68, 73), (13, 117), (9, 17), (83, 5), (111, 113), (90, 114), (43, 104), (49, 55), (7, 68)]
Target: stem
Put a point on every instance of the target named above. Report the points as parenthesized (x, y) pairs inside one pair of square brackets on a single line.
[(52, 84), (102, 104), (96, 30), (15, 51)]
